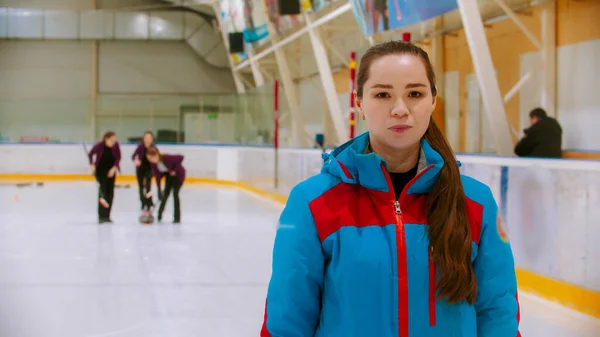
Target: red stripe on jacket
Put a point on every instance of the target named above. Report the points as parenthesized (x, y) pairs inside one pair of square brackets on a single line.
[(263, 331)]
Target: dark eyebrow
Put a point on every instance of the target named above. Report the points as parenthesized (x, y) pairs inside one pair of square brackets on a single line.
[(389, 86), (383, 86)]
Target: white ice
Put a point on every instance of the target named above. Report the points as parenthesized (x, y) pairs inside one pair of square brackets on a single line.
[(63, 275)]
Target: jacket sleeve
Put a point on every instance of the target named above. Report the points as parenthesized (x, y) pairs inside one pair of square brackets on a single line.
[(177, 160), (528, 143), (293, 303), (157, 176), (93, 151), (137, 153), (497, 304), (118, 156)]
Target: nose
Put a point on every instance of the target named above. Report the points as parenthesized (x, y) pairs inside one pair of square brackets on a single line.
[(400, 109)]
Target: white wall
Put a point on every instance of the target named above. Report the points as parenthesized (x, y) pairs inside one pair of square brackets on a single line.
[(44, 88), (45, 70), (128, 67), (48, 4), (74, 4), (578, 107), (451, 96)]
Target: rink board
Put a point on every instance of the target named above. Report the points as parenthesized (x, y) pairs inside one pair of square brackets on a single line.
[(550, 206)]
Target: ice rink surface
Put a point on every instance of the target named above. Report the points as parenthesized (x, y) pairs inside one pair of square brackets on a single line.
[(63, 275)]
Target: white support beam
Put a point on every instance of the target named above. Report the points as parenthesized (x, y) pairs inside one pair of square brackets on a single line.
[(513, 91), (341, 58), (548, 52), (511, 14), (324, 19), (320, 55), (486, 76), (259, 80), (437, 56), (239, 86), (266, 74), (292, 99), (289, 89)]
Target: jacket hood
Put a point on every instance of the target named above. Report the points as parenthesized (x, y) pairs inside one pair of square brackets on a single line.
[(354, 164)]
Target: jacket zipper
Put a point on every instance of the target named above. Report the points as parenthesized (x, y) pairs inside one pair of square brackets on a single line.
[(402, 272), (432, 279), (402, 259), (431, 264)]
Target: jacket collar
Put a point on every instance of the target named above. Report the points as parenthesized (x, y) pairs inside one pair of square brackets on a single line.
[(353, 163)]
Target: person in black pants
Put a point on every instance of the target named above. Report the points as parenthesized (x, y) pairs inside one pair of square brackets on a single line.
[(107, 158), (144, 171), (170, 166), (380, 10)]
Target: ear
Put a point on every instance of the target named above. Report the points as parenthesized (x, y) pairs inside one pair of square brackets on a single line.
[(358, 104), (434, 103)]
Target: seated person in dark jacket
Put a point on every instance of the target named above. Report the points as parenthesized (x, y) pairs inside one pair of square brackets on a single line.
[(542, 139)]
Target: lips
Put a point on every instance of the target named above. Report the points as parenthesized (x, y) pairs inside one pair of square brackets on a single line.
[(400, 128)]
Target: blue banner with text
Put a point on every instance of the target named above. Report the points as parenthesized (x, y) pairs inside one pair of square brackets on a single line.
[(377, 16)]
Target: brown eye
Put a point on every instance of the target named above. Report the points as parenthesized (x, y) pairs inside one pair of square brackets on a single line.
[(414, 94), (382, 95)]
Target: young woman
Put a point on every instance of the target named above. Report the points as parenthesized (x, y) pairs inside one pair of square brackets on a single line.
[(170, 166), (144, 171), (107, 159), (390, 240)]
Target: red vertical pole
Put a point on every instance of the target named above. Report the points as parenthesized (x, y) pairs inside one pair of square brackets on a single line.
[(276, 114), (276, 130), (352, 89)]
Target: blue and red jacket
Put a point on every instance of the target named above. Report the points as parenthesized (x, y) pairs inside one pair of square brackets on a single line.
[(350, 260)]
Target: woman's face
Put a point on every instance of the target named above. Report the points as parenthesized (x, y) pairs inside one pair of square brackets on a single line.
[(148, 140), (397, 102), (110, 141), (152, 159)]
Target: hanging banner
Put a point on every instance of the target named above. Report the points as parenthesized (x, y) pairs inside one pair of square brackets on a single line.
[(282, 23), (319, 4), (377, 16), (244, 16)]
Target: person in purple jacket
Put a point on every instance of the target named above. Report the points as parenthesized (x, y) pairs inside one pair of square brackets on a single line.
[(105, 166), (170, 166), (144, 171)]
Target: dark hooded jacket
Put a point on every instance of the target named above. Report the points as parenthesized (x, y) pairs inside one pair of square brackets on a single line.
[(542, 139)]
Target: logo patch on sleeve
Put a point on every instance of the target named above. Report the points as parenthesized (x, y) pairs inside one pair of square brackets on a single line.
[(501, 228)]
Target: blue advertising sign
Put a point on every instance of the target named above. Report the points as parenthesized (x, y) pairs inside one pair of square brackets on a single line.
[(376, 16), (246, 17)]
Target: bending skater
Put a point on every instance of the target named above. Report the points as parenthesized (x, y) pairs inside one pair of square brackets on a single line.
[(144, 171), (170, 166), (105, 167)]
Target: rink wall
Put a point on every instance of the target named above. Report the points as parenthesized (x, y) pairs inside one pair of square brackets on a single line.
[(551, 207)]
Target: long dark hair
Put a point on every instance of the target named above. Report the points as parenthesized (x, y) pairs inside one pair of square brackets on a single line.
[(446, 210)]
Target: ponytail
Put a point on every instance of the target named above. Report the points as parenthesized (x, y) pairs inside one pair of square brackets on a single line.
[(449, 230)]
